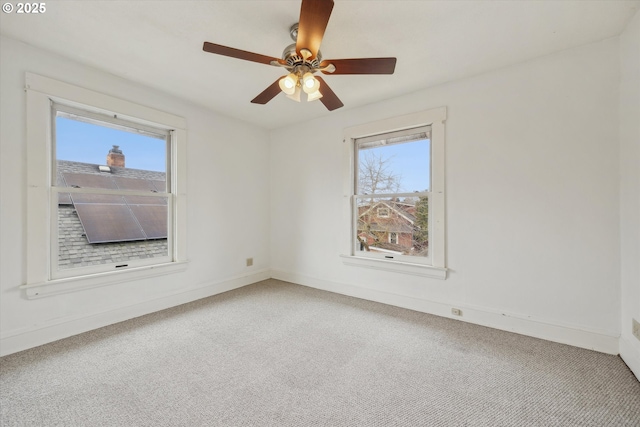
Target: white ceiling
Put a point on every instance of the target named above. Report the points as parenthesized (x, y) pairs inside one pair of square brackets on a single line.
[(159, 43)]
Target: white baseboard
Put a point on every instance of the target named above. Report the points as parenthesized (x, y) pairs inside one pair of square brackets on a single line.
[(631, 356), (602, 341), (36, 335), (54, 330)]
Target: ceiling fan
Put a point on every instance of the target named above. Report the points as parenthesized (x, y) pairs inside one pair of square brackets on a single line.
[(303, 59)]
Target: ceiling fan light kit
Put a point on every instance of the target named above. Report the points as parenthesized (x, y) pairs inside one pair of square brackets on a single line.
[(295, 96), (303, 59), (314, 95), (288, 84), (310, 84)]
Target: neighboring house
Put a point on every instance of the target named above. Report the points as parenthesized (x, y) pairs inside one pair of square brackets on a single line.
[(390, 225), (100, 229)]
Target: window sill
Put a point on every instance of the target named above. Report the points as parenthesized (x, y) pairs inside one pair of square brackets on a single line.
[(72, 284), (396, 266)]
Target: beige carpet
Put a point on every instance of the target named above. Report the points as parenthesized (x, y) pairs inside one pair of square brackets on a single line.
[(276, 354)]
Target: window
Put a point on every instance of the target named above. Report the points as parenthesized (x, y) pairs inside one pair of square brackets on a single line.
[(111, 192), (395, 184), (105, 192), (383, 212)]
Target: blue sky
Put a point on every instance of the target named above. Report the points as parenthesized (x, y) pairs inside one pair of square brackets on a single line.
[(89, 143), (411, 161)]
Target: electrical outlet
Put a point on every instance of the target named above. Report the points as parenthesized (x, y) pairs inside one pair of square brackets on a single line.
[(636, 328), (456, 312), (249, 262)]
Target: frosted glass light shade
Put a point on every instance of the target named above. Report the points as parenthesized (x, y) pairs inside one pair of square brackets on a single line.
[(295, 95), (288, 84), (313, 96), (309, 83)]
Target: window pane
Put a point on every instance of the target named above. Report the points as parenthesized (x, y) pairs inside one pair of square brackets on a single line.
[(105, 229), (96, 143), (397, 226), (394, 168)]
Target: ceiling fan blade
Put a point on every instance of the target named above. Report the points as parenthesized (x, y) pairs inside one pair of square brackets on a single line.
[(239, 54), (361, 66), (314, 17), (268, 94), (329, 98)]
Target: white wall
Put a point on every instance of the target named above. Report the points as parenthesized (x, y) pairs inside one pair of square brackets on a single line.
[(532, 200), (539, 194), (227, 209), (630, 189)]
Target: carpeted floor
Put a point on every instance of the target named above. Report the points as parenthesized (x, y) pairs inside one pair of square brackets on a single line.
[(277, 354)]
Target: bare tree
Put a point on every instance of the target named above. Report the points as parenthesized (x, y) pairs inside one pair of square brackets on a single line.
[(375, 175)]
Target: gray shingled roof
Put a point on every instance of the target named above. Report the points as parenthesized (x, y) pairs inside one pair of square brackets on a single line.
[(73, 248), (79, 167), (401, 208)]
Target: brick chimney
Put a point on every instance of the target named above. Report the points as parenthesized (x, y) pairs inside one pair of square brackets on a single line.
[(115, 157)]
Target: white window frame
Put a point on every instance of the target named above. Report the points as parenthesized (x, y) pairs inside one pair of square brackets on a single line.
[(41, 92), (436, 264)]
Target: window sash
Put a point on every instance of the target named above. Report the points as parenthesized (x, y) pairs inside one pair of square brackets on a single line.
[(58, 273), (113, 122), (386, 139)]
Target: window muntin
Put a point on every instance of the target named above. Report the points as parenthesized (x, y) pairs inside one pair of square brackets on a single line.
[(113, 209), (391, 193)]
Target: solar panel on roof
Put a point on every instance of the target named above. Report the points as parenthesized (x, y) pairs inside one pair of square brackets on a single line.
[(115, 218), (152, 219), (108, 223), (161, 186), (109, 199), (134, 184), (146, 200), (86, 180)]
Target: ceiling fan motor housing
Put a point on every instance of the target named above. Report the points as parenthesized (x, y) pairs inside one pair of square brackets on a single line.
[(293, 60)]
